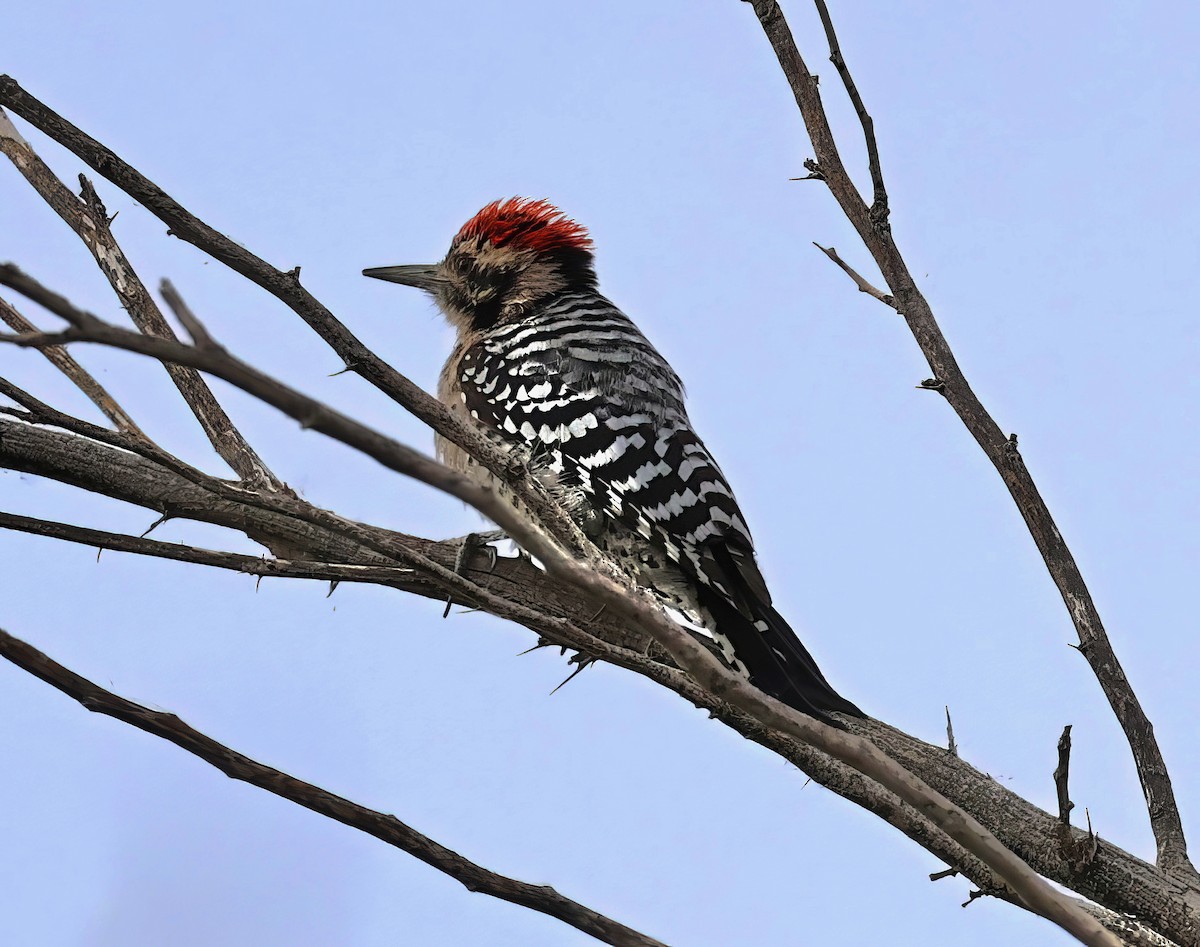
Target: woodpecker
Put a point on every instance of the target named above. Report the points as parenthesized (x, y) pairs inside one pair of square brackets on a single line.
[(549, 368)]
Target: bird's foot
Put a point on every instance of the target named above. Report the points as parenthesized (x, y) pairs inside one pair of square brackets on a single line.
[(469, 545)]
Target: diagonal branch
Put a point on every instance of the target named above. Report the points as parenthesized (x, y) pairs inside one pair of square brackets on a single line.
[(878, 800), (80, 376), (692, 657), (87, 216), (879, 199), (387, 828), (1117, 879), (861, 282), (286, 287), (1094, 644)]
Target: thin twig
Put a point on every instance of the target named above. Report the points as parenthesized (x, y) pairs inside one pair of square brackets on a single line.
[(387, 828), (183, 312), (1062, 775), (879, 201), (859, 281), (235, 562), (79, 376), (1094, 644), (87, 216)]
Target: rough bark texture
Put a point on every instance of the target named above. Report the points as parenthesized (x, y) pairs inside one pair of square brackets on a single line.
[(1115, 879)]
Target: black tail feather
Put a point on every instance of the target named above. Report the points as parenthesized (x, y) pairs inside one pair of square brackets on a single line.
[(778, 663)]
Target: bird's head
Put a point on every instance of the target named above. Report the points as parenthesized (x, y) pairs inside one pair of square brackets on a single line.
[(506, 259)]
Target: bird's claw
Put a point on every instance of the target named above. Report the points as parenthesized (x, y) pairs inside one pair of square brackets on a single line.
[(474, 542)]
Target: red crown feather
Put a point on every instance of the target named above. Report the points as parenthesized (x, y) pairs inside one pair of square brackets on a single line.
[(526, 224)]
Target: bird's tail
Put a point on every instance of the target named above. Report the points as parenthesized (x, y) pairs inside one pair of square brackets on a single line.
[(778, 663)]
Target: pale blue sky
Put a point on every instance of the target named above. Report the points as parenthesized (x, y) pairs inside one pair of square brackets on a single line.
[(1041, 161)]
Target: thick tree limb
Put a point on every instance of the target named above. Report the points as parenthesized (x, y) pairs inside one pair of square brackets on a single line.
[(304, 526), (707, 671), (86, 215), (1116, 879), (387, 828), (1093, 640)]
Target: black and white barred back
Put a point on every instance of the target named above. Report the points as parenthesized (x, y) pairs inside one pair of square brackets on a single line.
[(576, 384)]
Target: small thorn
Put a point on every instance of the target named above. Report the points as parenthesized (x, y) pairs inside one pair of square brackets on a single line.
[(333, 584), (951, 746), (449, 605), (933, 384), (599, 612), (542, 643), (99, 550), (340, 371), (293, 274), (157, 523), (257, 583), (947, 873), (583, 663)]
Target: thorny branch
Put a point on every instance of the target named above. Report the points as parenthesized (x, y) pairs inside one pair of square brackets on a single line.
[(1029, 830), (387, 828), (855, 751), (877, 237), (87, 216), (286, 287), (747, 713)]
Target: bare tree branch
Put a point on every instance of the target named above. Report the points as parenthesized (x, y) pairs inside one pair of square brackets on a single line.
[(387, 828), (299, 527), (286, 287), (879, 200), (87, 216), (1001, 450), (855, 751), (1062, 775), (235, 562), (61, 359), (863, 285), (1120, 881)]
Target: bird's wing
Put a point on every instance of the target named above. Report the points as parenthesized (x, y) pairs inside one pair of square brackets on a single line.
[(606, 415), (610, 420)]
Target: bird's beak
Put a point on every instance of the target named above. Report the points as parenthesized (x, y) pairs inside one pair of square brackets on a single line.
[(424, 276)]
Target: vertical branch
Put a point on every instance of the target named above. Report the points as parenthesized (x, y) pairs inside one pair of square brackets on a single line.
[(1062, 776)]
